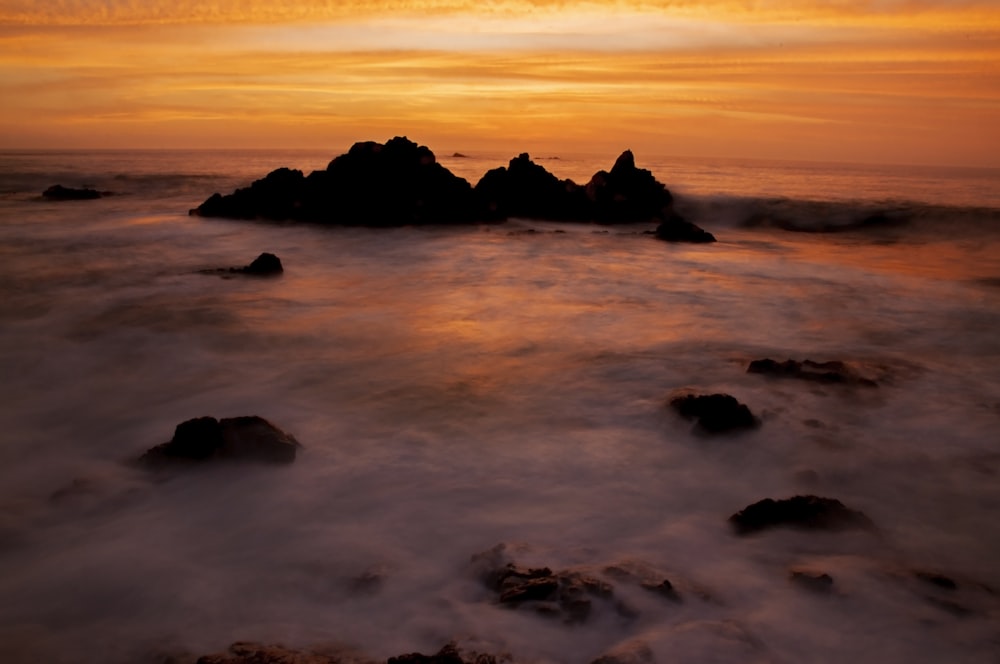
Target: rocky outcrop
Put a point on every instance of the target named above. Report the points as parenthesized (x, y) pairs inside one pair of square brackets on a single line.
[(802, 512), (525, 189), (715, 413), (249, 438), (248, 652), (57, 192), (835, 371), (400, 183)]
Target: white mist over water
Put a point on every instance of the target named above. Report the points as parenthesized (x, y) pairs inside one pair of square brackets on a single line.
[(459, 388)]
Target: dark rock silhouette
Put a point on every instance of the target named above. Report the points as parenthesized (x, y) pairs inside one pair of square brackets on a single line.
[(676, 229), (817, 582), (525, 189), (246, 652), (821, 372), (803, 512), (265, 265), (248, 438), (57, 192), (447, 655), (400, 183), (715, 413)]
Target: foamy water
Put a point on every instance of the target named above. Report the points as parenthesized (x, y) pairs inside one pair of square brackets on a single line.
[(459, 388)]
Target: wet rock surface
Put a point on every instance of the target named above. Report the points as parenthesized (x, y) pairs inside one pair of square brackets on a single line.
[(203, 439), (833, 372), (715, 413), (801, 512)]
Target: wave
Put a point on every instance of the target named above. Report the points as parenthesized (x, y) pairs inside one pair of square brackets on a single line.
[(837, 216)]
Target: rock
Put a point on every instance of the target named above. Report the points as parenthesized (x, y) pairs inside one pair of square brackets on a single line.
[(715, 413), (525, 189), (566, 594), (627, 193), (936, 579), (676, 229), (821, 372), (630, 652), (818, 582), (57, 192), (802, 512), (395, 184), (263, 265), (249, 438)]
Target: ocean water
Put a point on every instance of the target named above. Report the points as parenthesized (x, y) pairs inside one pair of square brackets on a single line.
[(456, 389)]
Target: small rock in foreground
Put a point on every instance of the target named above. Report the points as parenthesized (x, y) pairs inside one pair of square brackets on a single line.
[(265, 265), (248, 438), (715, 413), (803, 512)]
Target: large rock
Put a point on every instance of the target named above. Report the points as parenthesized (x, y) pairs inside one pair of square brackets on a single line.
[(248, 438), (627, 193), (57, 192), (400, 183), (715, 413), (802, 512), (395, 184), (526, 189)]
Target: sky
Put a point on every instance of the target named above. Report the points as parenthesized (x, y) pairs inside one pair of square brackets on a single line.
[(886, 81)]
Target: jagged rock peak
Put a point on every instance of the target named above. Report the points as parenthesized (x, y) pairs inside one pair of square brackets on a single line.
[(625, 162)]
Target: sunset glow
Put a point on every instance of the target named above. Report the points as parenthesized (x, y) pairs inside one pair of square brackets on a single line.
[(895, 81)]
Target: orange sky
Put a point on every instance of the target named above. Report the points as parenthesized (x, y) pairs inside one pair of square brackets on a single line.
[(895, 81)]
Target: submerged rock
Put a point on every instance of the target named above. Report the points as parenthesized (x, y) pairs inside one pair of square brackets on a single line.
[(676, 229), (715, 413), (567, 594), (818, 582), (265, 265), (57, 192), (822, 372), (248, 438), (803, 512)]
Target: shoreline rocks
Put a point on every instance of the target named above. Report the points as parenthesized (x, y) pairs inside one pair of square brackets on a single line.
[(205, 439), (834, 372)]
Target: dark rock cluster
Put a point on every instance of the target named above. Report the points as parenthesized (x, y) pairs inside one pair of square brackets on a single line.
[(248, 438), (265, 265), (400, 183)]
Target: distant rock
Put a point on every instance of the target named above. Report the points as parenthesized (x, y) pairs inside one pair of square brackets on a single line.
[(715, 413), (802, 512), (447, 655), (57, 192), (265, 265), (248, 438), (820, 372), (247, 652), (459, 155)]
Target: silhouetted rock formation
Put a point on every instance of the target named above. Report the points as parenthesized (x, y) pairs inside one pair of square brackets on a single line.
[(248, 438), (246, 652), (821, 372), (57, 192), (401, 183), (803, 512), (715, 413), (525, 189), (396, 184)]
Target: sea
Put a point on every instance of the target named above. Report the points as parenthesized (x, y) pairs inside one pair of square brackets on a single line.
[(500, 388)]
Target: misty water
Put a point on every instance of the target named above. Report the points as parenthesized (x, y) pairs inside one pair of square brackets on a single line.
[(455, 389)]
